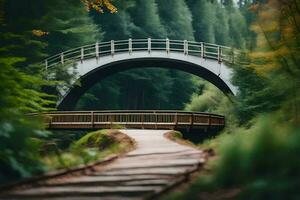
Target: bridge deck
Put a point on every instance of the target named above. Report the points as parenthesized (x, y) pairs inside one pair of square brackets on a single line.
[(133, 119)]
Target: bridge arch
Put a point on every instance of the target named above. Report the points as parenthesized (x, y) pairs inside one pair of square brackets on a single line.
[(98, 61)]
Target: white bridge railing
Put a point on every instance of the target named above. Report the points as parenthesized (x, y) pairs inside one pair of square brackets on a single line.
[(98, 50)]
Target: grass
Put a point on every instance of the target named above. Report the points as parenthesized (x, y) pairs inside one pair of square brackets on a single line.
[(89, 148), (261, 162), (177, 137)]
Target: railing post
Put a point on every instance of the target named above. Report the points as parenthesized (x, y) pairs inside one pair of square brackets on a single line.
[(232, 55), (176, 120), (97, 50), (185, 47), (167, 45), (219, 54), (62, 58), (112, 47), (92, 119), (202, 50), (142, 121), (130, 45), (155, 120), (192, 121), (110, 120), (149, 45), (82, 54)]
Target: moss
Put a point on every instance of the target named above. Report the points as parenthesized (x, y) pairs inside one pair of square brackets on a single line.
[(177, 134), (89, 148), (98, 139)]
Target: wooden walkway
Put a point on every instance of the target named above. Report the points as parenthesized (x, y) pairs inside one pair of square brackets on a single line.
[(157, 164), (132, 119)]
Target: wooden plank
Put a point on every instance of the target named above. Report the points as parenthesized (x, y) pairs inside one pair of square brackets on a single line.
[(116, 182), (104, 179), (73, 191), (151, 153), (115, 197), (155, 170), (158, 163)]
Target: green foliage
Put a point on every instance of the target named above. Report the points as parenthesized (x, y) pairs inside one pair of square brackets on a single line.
[(221, 26), (20, 90), (207, 101), (237, 28), (134, 89), (204, 20), (120, 21), (177, 134), (19, 147), (177, 19), (253, 99), (215, 23), (210, 99), (23, 83), (145, 17), (65, 30), (98, 139), (89, 148), (262, 161)]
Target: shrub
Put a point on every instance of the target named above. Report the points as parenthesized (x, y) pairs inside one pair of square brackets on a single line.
[(263, 161)]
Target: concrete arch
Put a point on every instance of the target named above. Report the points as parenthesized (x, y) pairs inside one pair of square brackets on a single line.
[(92, 70)]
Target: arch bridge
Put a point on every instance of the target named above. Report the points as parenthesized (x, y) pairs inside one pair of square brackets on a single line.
[(94, 62)]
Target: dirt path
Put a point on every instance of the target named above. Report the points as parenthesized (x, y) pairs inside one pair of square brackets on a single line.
[(156, 165)]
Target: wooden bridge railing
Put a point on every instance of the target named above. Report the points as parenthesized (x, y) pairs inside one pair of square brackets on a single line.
[(132, 119)]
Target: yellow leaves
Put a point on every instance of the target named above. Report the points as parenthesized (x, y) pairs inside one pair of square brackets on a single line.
[(109, 6), (265, 61), (261, 41), (280, 52), (289, 32), (269, 13), (278, 36), (98, 5), (266, 26), (254, 7), (39, 33), (264, 68)]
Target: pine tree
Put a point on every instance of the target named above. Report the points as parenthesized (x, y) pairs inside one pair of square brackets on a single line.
[(221, 27), (65, 30), (237, 28), (145, 17), (177, 19), (203, 20), (116, 26)]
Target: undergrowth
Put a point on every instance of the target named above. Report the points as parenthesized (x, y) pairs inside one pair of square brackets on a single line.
[(262, 162), (89, 148)]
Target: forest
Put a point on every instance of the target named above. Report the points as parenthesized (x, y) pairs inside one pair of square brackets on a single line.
[(258, 151)]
